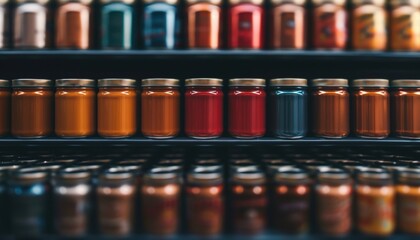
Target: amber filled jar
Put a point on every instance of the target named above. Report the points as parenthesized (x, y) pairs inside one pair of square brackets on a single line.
[(371, 108), (160, 99), (375, 196), (4, 107), (331, 108), (405, 25), (75, 107), (408, 201), (205, 205), (32, 101), (405, 106), (369, 25), (117, 107)]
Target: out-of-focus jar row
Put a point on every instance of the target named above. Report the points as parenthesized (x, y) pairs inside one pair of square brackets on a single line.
[(112, 111), (287, 21)]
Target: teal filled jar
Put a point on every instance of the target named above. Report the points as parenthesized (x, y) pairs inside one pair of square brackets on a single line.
[(117, 20)]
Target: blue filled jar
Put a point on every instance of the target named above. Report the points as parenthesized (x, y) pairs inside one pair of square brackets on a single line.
[(160, 24), (288, 107), (117, 20)]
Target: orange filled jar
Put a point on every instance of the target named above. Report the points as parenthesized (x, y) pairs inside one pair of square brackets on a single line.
[(117, 107), (160, 99), (408, 201), (32, 101), (405, 25), (4, 107), (75, 102)]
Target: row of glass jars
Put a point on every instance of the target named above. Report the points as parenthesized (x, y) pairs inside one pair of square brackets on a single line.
[(73, 24), (112, 112)]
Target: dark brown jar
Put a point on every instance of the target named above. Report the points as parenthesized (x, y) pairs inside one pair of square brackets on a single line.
[(331, 107), (115, 196), (32, 101), (160, 199), (205, 204), (72, 195), (248, 202), (333, 196), (4, 107), (371, 108)]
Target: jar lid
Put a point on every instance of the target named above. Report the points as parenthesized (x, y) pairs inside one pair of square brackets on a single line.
[(118, 1), (31, 82), (86, 2), (163, 174), (157, 82), (216, 82), (256, 2), (335, 2), (116, 82), (73, 174), (42, 2), (172, 2), (292, 82), (415, 83), (25, 175), (244, 82), (374, 176), (249, 177), (334, 175), (413, 3), (374, 2), (205, 178), (116, 175), (4, 83), (215, 2), (74, 82), (410, 176), (330, 82), (371, 83), (291, 174), (297, 2)]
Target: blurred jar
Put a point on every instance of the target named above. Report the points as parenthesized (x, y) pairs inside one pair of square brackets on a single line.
[(160, 24), (330, 24), (75, 105), (369, 25), (5, 95), (117, 20), (117, 107), (4, 24), (288, 24), (246, 24), (204, 24), (32, 101), (31, 26), (408, 201), (405, 25), (73, 24)]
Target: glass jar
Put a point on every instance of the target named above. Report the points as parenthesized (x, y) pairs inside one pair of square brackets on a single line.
[(161, 25), (331, 107), (160, 99), (375, 197), (161, 193), (290, 198), (204, 24), (5, 24), (31, 30), (248, 203), (73, 24), (246, 107), (32, 101), (371, 108), (330, 24), (72, 195), (117, 20), (204, 203), (28, 203), (288, 107), (405, 25), (334, 198), (406, 101), (246, 24), (4, 107), (75, 105), (115, 195), (369, 25), (288, 24), (117, 107), (408, 201), (203, 108)]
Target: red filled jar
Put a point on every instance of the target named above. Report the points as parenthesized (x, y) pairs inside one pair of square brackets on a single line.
[(246, 24), (247, 107), (204, 107)]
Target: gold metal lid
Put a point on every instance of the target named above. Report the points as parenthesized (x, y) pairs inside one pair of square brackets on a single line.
[(371, 83), (330, 82), (374, 2), (413, 3), (160, 82), (289, 82), (85, 2), (212, 82), (215, 2), (4, 83), (31, 82), (244, 82), (256, 2), (406, 83), (172, 2), (335, 2), (118, 1), (116, 82), (74, 82)]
